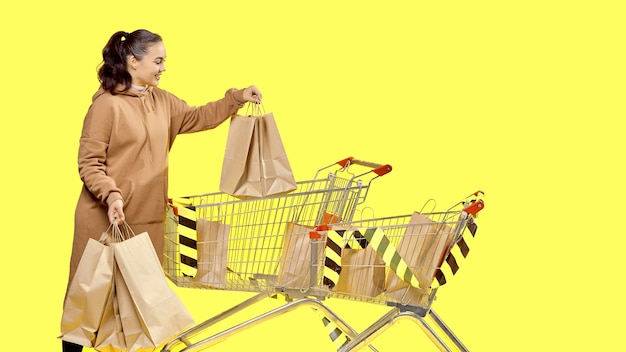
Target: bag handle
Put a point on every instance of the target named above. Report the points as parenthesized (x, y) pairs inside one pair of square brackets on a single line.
[(254, 110), (117, 233)]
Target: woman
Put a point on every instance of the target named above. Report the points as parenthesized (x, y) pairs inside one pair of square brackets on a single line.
[(126, 137)]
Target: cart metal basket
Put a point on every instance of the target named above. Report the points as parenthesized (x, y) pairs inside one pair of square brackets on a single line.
[(400, 262), (216, 241)]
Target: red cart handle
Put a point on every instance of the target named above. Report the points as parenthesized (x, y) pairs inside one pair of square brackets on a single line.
[(475, 205), (378, 169)]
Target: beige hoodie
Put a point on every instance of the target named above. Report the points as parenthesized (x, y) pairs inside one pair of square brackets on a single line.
[(123, 154)]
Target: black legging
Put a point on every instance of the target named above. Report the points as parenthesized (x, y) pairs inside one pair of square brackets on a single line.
[(71, 347)]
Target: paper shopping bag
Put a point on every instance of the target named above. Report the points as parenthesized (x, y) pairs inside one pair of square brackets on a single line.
[(422, 246), (295, 264), (87, 294), (255, 162), (159, 309), (362, 273), (121, 328), (110, 337), (212, 247), (170, 245), (135, 333)]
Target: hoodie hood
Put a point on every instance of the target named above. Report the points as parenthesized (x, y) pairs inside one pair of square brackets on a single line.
[(146, 96)]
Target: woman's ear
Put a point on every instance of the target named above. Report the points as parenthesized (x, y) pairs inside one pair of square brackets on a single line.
[(132, 62)]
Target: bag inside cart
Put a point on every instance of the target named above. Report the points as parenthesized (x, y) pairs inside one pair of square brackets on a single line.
[(295, 260), (362, 273), (212, 248), (423, 246)]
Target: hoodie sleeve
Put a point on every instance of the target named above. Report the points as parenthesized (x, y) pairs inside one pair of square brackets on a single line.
[(187, 119), (92, 151)]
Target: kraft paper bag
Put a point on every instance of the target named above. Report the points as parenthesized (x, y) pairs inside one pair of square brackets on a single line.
[(121, 328), (135, 333), (255, 162), (362, 273), (422, 247), (110, 336), (294, 269), (160, 311), (87, 295), (212, 247), (170, 245)]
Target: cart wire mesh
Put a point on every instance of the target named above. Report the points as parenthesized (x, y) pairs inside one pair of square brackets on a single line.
[(217, 241)]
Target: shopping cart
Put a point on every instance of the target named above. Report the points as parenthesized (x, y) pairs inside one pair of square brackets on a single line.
[(397, 261), (216, 241), (400, 262)]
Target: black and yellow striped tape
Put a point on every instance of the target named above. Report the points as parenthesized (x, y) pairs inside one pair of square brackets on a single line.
[(187, 236), (458, 253)]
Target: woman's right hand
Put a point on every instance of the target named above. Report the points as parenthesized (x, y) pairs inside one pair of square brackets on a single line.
[(116, 212), (252, 94)]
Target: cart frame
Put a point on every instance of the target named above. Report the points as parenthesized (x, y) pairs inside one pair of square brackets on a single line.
[(401, 309)]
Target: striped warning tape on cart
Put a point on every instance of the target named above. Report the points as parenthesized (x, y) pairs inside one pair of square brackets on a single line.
[(332, 251), (336, 241), (336, 335), (332, 261), (187, 236), (458, 253), (354, 240), (375, 237)]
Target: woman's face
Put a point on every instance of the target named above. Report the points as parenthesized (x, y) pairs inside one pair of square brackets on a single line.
[(147, 71)]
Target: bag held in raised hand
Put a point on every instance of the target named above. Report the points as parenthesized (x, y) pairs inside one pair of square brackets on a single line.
[(255, 162)]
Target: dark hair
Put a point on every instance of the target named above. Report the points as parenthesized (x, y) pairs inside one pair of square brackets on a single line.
[(121, 45)]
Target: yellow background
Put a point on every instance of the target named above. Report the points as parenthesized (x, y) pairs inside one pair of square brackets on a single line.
[(524, 100)]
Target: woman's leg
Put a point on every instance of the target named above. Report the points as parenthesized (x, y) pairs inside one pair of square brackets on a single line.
[(71, 347)]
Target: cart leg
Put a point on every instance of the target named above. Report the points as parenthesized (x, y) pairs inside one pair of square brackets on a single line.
[(349, 335), (315, 304), (370, 333), (437, 319), (193, 331), (387, 321)]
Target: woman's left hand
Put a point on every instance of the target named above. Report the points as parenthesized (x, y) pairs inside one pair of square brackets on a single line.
[(116, 212), (252, 94)]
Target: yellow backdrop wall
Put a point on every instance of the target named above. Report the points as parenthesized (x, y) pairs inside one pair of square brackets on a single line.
[(523, 100)]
